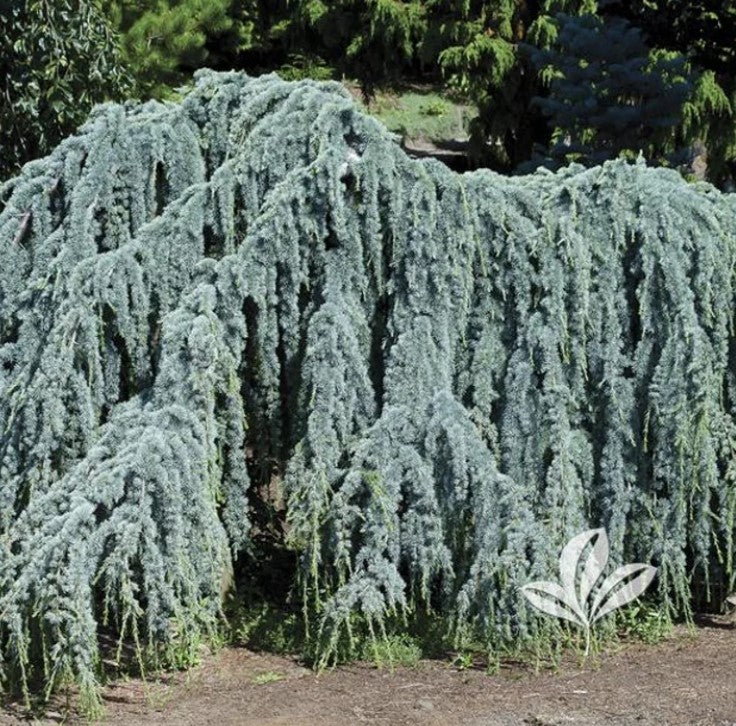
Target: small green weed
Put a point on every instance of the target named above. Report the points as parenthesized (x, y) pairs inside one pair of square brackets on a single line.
[(463, 660), (644, 621), (261, 679), (392, 651)]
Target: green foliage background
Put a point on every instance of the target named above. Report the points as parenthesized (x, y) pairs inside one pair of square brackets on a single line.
[(666, 86), (552, 80), (57, 59)]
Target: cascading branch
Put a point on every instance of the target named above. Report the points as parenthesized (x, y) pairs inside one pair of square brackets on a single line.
[(453, 374)]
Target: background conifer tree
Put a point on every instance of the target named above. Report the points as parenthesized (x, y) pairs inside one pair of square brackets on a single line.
[(164, 41), (608, 92)]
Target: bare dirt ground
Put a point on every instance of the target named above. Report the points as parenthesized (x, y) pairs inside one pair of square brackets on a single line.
[(686, 679)]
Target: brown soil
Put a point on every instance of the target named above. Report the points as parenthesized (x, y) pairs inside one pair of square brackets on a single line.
[(687, 679)]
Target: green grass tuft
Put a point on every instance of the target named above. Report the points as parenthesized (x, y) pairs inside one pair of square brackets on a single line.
[(261, 679), (393, 651), (422, 114)]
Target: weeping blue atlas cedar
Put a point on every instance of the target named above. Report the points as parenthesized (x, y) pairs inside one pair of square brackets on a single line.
[(452, 374)]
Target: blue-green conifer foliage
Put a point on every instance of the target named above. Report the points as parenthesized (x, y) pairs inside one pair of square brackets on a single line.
[(453, 374)]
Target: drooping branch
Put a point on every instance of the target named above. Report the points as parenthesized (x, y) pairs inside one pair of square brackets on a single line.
[(453, 373)]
